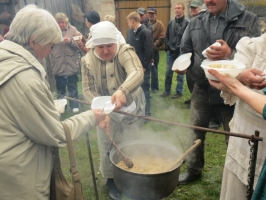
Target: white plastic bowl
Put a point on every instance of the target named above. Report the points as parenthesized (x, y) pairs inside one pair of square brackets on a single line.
[(217, 44), (60, 105), (103, 102), (182, 62), (78, 37), (239, 67)]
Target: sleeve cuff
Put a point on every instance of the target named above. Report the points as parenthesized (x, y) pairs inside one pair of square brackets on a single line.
[(126, 92), (264, 112), (228, 98)]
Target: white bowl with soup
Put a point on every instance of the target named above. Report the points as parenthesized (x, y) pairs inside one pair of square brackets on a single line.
[(228, 68)]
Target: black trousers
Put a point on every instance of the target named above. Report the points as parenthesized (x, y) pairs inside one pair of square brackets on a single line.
[(146, 89), (154, 71), (69, 83), (200, 114)]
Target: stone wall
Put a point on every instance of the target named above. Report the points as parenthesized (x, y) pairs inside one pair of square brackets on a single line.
[(103, 7)]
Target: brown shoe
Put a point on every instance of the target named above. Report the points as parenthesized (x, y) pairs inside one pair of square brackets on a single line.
[(165, 94)]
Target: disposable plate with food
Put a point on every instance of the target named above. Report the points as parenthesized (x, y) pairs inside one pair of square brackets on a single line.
[(229, 68)]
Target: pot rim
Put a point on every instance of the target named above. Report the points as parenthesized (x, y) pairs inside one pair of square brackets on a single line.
[(121, 145)]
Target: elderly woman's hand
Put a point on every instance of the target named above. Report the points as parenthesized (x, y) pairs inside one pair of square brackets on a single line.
[(105, 124), (99, 116), (226, 84), (253, 78), (119, 98)]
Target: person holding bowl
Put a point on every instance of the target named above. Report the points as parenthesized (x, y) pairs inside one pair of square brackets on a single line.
[(65, 62), (113, 69), (30, 126), (249, 114)]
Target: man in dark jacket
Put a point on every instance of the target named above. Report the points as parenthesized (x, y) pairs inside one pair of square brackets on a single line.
[(195, 8), (225, 21), (158, 35), (176, 28), (143, 20), (143, 44)]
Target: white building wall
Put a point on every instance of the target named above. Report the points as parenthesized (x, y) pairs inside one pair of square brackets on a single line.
[(103, 7)]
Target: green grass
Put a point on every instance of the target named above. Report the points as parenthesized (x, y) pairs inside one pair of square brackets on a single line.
[(208, 188)]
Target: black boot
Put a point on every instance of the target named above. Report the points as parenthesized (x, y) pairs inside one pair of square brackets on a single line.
[(214, 125), (188, 177), (112, 189)]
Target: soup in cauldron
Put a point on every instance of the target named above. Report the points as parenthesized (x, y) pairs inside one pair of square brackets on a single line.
[(147, 164)]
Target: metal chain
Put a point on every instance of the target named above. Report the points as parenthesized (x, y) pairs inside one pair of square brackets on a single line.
[(251, 172)]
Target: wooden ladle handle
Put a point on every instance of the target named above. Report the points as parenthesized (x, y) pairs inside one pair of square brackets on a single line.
[(196, 143)]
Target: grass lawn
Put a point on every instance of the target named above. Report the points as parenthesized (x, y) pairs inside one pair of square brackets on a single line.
[(161, 108)]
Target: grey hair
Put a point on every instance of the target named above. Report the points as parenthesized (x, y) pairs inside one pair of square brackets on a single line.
[(109, 18), (61, 17), (35, 22)]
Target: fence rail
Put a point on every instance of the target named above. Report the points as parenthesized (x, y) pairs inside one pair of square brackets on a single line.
[(256, 6)]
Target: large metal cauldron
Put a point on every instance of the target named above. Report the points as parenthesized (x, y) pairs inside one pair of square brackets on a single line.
[(145, 186)]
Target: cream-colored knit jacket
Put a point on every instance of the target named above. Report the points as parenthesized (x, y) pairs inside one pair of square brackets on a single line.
[(124, 72)]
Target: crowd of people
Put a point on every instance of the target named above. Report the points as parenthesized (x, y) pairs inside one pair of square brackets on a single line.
[(127, 70)]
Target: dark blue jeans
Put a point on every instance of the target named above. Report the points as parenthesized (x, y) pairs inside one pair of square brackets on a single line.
[(146, 89), (200, 114), (170, 59), (154, 71), (69, 82)]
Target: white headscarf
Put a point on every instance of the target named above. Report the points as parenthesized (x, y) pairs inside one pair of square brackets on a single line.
[(103, 33)]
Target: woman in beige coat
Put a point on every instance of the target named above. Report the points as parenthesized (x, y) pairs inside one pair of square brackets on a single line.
[(30, 125)]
